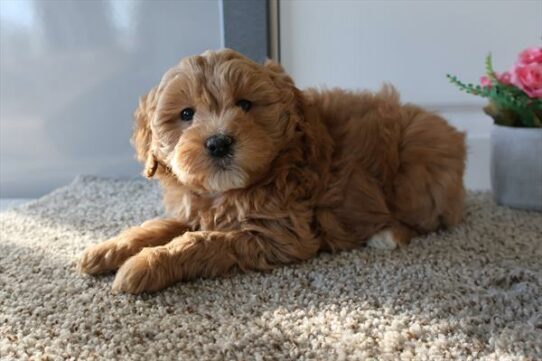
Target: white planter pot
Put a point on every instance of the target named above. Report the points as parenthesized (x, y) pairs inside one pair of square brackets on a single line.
[(516, 167)]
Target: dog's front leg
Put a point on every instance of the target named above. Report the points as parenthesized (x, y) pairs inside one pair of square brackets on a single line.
[(208, 254), (111, 254)]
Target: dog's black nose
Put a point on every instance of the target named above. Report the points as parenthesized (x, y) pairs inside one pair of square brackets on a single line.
[(219, 145)]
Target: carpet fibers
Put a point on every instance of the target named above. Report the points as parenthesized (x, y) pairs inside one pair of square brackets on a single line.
[(471, 293)]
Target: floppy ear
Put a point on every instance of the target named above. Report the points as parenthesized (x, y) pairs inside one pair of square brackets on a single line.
[(277, 72), (273, 66), (316, 148), (142, 135), (284, 81)]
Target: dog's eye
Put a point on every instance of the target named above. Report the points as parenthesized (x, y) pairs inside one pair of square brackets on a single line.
[(187, 114), (244, 104)]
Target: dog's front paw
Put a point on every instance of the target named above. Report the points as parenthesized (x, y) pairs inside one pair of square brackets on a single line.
[(145, 272), (104, 257)]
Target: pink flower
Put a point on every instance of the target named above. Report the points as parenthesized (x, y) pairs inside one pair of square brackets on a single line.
[(529, 79), (505, 78), (485, 82), (526, 74), (530, 55)]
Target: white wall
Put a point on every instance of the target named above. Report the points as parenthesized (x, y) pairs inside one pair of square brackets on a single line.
[(71, 73), (412, 44)]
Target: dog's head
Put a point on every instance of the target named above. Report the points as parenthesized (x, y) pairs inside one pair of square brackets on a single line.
[(216, 121)]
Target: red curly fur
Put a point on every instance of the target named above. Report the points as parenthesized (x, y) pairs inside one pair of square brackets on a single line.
[(312, 170)]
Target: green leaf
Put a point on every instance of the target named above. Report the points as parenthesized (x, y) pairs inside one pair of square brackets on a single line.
[(510, 105), (469, 88), (489, 69)]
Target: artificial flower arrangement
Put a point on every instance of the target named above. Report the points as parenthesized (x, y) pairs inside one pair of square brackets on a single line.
[(515, 96)]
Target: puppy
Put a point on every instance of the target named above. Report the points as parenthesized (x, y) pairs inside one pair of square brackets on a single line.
[(256, 173)]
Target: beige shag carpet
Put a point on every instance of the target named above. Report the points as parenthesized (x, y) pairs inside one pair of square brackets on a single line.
[(473, 293)]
